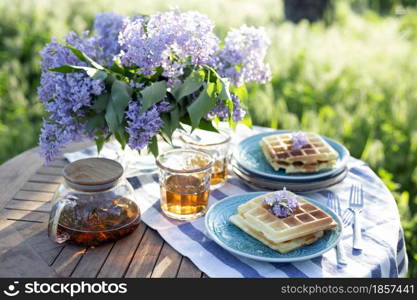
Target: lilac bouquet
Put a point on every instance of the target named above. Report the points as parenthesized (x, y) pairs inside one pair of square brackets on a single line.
[(139, 77)]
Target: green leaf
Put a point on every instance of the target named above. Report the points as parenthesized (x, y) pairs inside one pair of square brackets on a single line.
[(117, 69), (185, 120), (171, 123), (101, 102), (111, 117), (211, 88), (153, 146), (200, 107), (83, 57), (92, 72), (166, 129), (190, 85), (120, 94), (175, 118), (225, 91), (247, 120), (207, 125), (120, 137), (98, 75), (94, 122), (65, 69), (100, 143), (242, 93), (153, 94)]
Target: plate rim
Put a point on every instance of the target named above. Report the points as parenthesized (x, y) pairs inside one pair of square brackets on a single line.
[(269, 259), (291, 177), (293, 186)]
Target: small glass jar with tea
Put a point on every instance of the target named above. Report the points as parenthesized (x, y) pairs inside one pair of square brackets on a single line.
[(184, 178), (95, 204), (217, 144)]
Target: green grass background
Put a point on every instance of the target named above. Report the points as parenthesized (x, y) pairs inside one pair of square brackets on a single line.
[(354, 80)]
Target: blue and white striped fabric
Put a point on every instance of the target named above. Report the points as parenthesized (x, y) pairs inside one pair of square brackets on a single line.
[(384, 253)]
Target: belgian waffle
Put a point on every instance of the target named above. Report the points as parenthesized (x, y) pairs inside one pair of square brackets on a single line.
[(283, 247), (300, 228), (316, 155)]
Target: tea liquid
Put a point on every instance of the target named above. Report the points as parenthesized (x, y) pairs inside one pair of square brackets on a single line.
[(184, 195), (219, 172), (101, 224)]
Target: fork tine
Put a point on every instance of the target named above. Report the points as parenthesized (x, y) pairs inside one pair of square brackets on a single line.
[(353, 195), (361, 198), (352, 189), (356, 197)]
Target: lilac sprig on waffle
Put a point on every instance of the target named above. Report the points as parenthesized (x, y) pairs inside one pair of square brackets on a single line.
[(314, 153), (299, 140), (281, 203)]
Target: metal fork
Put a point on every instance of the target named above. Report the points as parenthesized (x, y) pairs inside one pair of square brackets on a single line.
[(333, 202), (356, 205)]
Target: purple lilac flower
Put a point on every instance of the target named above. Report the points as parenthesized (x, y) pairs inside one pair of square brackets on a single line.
[(134, 84), (299, 140), (172, 40), (64, 96), (238, 110), (85, 43), (222, 111), (243, 55), (281, 203), (143, 126), (107, 27), (53, 136)]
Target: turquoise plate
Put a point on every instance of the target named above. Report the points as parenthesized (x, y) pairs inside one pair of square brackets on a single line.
[(249, 156), (233, 239)]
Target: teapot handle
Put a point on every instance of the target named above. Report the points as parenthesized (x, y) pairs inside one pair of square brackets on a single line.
[(54, 219)]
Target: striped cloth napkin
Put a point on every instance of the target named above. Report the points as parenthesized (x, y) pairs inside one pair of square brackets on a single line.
[(383, 254)]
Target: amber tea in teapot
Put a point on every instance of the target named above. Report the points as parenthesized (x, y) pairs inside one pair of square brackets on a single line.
[(94, 205)]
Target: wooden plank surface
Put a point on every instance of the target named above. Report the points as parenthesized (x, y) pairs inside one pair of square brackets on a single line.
[(36, 206), (167, 264), (188, 269), (15, 172), (33, 196), (35, 234), (25, 202), (92, 261), (146, 255), (50, 171), (40, 187), (37, 178), (68, 259), (30, 216), (122, 254), (18, 258)]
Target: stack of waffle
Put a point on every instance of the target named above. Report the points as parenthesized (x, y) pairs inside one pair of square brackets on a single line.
[(305, 226), (316, 155)]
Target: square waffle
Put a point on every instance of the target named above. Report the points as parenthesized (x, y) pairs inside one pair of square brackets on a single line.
[(315, 156), (283, 247), (303, 227)]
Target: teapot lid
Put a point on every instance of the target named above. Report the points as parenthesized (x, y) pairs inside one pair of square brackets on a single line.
[(93, 171)]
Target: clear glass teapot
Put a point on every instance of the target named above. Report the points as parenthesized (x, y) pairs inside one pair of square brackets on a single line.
[(95, 204)]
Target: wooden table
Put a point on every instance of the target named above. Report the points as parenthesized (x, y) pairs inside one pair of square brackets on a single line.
[(26, 190)]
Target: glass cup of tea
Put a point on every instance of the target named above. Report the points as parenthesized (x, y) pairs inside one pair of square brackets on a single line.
[(184, 178), (217, 144)]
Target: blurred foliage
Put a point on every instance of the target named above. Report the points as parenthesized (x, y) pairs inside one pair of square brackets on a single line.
[(352, 80), (383, 6)]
